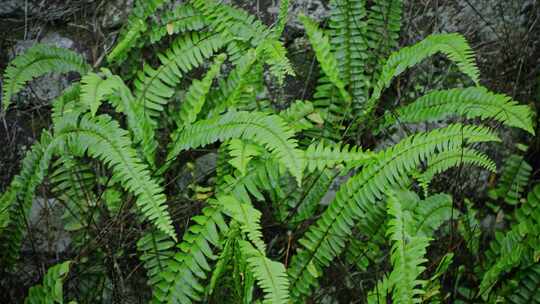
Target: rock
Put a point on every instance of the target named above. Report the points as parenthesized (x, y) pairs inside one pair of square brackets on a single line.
[(46, 228), (115, 13), (202, 166)]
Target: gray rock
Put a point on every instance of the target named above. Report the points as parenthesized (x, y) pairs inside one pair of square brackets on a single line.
[(203, 166), (46, 228), (115, 13)]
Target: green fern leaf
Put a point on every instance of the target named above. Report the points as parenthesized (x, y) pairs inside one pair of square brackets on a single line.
[(39, 60), (269, 131), (154, 87), (470, 102), (196, 95), (51, 290), (326, 238), (321, 46), (444, 161), (408, 250), (515, 177), (17, 201), (320, 155), (104, 139), (349, 42), (271, 276), (452, 45), (248, 217)]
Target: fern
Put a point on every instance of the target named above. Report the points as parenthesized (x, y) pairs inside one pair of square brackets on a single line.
[(50, 292), (469, 102), (452, 45), (327, 60), (325, 239), (182, 18), (320, 155), (249, 219), (134, 29), (175, 275), (267, 130), (444, 161), (105, 140), (282, 19), (515, 177), (509, 250), (526, 287), (242, 153), (39, 60), (349, 42), (154, 87), (16, 202), (408, 250), (196, 95), (382, 35), (271, 276)]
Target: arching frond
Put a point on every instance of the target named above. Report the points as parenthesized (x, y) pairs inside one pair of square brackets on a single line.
[(105, 140), (135, 27), (348, 29), (454, 46), (455, 158), (51, 290), (326, 238), (154, 87), (242, 152), (16, 202), (269, 131), (470, 102), (37, 61), (282, 18)]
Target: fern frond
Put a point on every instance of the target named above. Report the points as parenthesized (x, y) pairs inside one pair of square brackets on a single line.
[(182, 18), (444, 161), (271, 276), (51, 290), (37, 61), (329, 64), (526, 288), (16, 202), (348, 39), (196, 95), (232, 23), (511, 249), (154, 87), (300, 115), (326, 238), (176, 274), (233, 89), (72, 182), (431, 213), (454, 46), (380, 292), (248, 217), (515, 177), (242, 152), (282, 18), (382, 35), (408, 250), (135, 27), (275, 54), (269, 131), (103, 138), (469, 102), (320, 155)]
